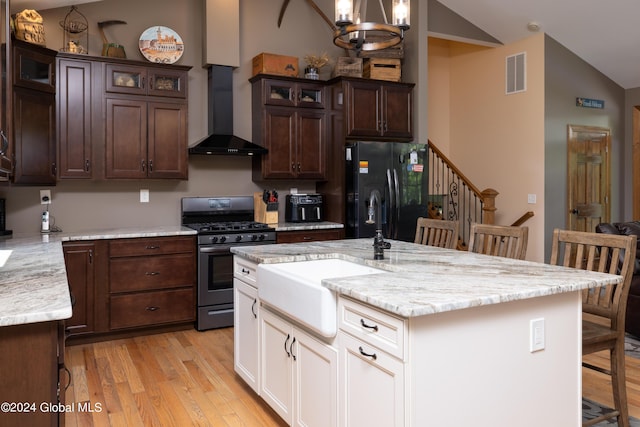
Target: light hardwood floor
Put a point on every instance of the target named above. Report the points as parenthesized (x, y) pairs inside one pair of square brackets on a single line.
[(174, 379), (187, 378), (597, 386)]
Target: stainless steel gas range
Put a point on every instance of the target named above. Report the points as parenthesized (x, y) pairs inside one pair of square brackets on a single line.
[(221, 222)]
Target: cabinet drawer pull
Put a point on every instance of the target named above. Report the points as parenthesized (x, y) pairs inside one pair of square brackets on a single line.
[(245, 271), (87, 164), (152, 273), (372, 355), (364, 325), (152, 247), (285, 345), (152, 308), (253, 306)]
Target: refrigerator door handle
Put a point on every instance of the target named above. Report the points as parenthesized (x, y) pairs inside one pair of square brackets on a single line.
[(390, 212), (396, 204)]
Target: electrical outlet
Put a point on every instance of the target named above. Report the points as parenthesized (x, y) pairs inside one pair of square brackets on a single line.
[(144, 196), (45, 197), (531, 199)]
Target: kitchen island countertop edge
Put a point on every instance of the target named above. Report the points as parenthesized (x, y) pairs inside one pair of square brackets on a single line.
[(33, 279), (423, 280)]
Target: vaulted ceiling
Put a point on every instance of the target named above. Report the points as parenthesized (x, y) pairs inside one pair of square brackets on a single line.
[(606, 34)]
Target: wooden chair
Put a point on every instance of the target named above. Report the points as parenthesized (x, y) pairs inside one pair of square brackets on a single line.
[(437, 232), (603, 308), (499, 240)]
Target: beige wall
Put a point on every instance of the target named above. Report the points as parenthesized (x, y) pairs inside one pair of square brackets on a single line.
[(85, 205), (492, 135)]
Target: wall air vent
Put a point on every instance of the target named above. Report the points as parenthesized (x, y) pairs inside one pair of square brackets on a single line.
[(516, 73)]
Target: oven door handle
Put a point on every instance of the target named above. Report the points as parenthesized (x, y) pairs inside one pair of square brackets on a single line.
[(215, 249), (212, 312)]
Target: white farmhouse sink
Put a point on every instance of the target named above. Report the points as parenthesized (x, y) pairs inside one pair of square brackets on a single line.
[(294, 288)]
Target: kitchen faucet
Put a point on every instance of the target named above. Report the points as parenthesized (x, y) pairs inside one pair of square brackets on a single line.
[(375, 217)]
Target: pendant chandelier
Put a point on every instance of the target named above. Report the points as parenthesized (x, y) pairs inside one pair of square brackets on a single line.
[(353, 33)]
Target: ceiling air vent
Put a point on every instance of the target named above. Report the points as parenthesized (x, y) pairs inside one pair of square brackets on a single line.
[(516, 73)]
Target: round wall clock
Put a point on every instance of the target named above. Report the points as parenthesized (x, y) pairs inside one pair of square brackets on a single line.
[(161, 44)]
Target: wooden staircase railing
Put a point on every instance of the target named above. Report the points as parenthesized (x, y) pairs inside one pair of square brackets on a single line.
[(454, 196), (524, 218)]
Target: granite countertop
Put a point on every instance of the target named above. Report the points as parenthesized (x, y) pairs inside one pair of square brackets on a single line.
[(423, 280), (33, 278), (301, 226), (126, 233)]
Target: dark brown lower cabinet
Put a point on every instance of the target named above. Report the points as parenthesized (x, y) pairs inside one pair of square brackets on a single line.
[(33, 375), (152, 308), (130, 286), (79, 260), (299, 236)]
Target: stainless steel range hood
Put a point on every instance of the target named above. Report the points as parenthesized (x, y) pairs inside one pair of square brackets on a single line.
[(221, 140)]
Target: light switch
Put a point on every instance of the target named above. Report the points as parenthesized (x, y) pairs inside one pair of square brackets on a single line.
[(531, 199), (144, 196), (536, 335)]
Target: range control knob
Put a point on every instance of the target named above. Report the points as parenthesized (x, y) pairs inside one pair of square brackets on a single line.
[(261, 237), (238, 237), (254, 237), (213, 239), (223, 239)]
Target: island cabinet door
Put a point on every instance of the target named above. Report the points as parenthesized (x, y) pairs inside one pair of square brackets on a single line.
[(276, 384), (371, 385), (246, 330), (315, 380), (299, 374)]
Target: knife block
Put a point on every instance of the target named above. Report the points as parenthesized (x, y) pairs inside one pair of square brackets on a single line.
[(264, 212)]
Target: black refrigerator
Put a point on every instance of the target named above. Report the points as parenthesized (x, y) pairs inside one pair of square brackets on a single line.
[(398, 171)]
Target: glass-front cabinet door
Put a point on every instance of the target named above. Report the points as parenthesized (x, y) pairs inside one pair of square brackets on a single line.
[(294, 93), (140, 80), (34, 67), (163, 82), (126, 79)]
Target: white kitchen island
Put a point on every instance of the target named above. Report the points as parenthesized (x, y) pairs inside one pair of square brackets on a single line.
[(442, 338)]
